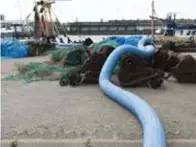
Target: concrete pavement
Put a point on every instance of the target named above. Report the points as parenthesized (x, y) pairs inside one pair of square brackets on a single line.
[(60, 116)]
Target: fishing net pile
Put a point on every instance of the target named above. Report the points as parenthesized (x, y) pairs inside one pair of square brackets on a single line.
[(34, 71), (61, 63), (82, 64)]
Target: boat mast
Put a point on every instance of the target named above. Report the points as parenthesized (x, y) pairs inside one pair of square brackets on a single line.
[(20, 10), (152, 20), (44, 25)]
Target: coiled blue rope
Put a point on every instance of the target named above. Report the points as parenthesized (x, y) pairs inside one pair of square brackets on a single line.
[(153, 131)]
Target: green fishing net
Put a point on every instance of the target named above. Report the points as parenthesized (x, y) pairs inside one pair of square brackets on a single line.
[(73, 58), (70, 58), (97, 47), (34, 71)]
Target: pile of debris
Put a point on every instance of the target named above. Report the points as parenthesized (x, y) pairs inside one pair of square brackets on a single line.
[(133, 70), (82, 64), (181, 67), (179, 47)]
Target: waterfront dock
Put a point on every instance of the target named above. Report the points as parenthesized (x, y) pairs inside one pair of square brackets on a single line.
[(49, 115)]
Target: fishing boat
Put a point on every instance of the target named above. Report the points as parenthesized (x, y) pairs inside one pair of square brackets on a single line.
[(16, 30), (171, 30), (45, 27), (185, 32)]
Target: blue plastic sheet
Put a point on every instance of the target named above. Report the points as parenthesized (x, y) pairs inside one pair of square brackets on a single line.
[(132, 40), (119, 40), (13, 49)]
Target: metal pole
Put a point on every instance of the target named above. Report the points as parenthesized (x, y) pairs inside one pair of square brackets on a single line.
[(20, 10), (152, 21)]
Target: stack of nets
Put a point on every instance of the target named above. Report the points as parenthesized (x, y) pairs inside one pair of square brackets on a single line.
[(72, 56), (66, 60), (98, 46)]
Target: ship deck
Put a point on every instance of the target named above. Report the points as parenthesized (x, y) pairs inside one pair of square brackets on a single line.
[(50, 115)]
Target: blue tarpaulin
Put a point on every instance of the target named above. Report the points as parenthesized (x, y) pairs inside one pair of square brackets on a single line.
[(13, 49), (132, 40)]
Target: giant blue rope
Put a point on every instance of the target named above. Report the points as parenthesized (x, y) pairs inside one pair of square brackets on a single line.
[(153, 130)]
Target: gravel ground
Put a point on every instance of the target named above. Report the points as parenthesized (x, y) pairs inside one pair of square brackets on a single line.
[(46, 110)]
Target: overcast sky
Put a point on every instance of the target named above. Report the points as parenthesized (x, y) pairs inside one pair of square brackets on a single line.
[(94, 10)]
